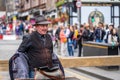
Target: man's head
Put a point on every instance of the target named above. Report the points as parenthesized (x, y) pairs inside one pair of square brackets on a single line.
[(42, 25), (100, 25), (86, 26), (111, 26)]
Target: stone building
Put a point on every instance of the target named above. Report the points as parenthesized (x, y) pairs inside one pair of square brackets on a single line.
[(2, 5), (33, 8), (2, 8)]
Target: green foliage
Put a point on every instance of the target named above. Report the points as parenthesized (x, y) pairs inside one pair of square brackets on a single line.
[(61, 2)]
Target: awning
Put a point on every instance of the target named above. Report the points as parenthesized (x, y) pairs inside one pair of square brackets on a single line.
[(24, 14)]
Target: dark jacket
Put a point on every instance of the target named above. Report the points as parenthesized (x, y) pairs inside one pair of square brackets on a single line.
[(86, 34), (99, 34), (38, 48), (71, 35), (32, 46)]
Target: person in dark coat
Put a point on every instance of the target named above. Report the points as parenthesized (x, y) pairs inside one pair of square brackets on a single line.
[(39, 49), (99, 33), (80, 39)]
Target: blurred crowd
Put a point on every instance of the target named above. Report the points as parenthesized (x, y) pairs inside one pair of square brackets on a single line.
[(68, 39), (18, 28)]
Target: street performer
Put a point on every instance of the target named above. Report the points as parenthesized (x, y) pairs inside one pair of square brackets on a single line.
[(39, 49)]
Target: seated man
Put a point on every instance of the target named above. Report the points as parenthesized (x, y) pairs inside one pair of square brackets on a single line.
[(39, 49)]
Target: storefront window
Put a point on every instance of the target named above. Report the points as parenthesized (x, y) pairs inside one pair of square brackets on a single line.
[(43, 1)]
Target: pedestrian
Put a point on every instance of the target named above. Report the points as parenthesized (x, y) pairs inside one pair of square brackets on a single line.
[(113, 37), (21, 25), (86, 32), (110, 27), (70, 42), (63, 41), (79, 39), (55, 39), (39, 49), (17, 30), (57, 35), (118, 31), (99, 33), (75, 37)]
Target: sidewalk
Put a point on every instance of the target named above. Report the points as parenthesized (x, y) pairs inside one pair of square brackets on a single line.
[(100, 73)]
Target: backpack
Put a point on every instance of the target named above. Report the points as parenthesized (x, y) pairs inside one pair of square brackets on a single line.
[(18, 66)]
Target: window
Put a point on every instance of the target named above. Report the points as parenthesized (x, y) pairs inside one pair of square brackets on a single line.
[(43, 1), (27, 1)]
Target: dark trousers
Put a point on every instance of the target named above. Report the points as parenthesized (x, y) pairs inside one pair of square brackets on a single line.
[(70, 51), (56, 43), (80, 50)]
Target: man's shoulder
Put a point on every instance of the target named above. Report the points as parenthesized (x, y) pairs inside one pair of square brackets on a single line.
[(48, 35), (28, 36)]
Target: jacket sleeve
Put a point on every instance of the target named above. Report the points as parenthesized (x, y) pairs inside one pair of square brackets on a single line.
[(56, 60), (25, 45)]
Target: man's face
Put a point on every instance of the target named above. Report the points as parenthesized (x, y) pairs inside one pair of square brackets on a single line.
[(42, 29), (100, 25)]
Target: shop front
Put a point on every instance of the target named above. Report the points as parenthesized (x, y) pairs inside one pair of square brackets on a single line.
[(100, 11), (65, 12)]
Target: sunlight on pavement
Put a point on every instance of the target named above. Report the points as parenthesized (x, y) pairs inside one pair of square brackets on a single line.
[(77, 75), (0, 77)]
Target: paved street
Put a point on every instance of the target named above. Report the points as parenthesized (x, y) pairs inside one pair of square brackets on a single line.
[(8, 48)]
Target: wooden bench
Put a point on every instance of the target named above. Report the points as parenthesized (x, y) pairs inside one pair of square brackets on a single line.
[(69, 62), (69, 78)]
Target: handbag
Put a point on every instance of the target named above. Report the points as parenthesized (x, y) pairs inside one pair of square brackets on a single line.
[(65, 40), (53, 73)]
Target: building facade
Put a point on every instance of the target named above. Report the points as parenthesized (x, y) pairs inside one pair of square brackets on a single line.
[(2, 5), (2, 8), (11, 8), (106, 11), (65, 11), (91, 11), (31, 8)]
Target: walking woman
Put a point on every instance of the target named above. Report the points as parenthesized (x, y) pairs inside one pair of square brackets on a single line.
[(79, 38), (63, 41), (113, 38), (70, 42)]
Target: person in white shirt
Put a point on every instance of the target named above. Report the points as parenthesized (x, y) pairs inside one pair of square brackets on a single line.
[(113, 37)]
